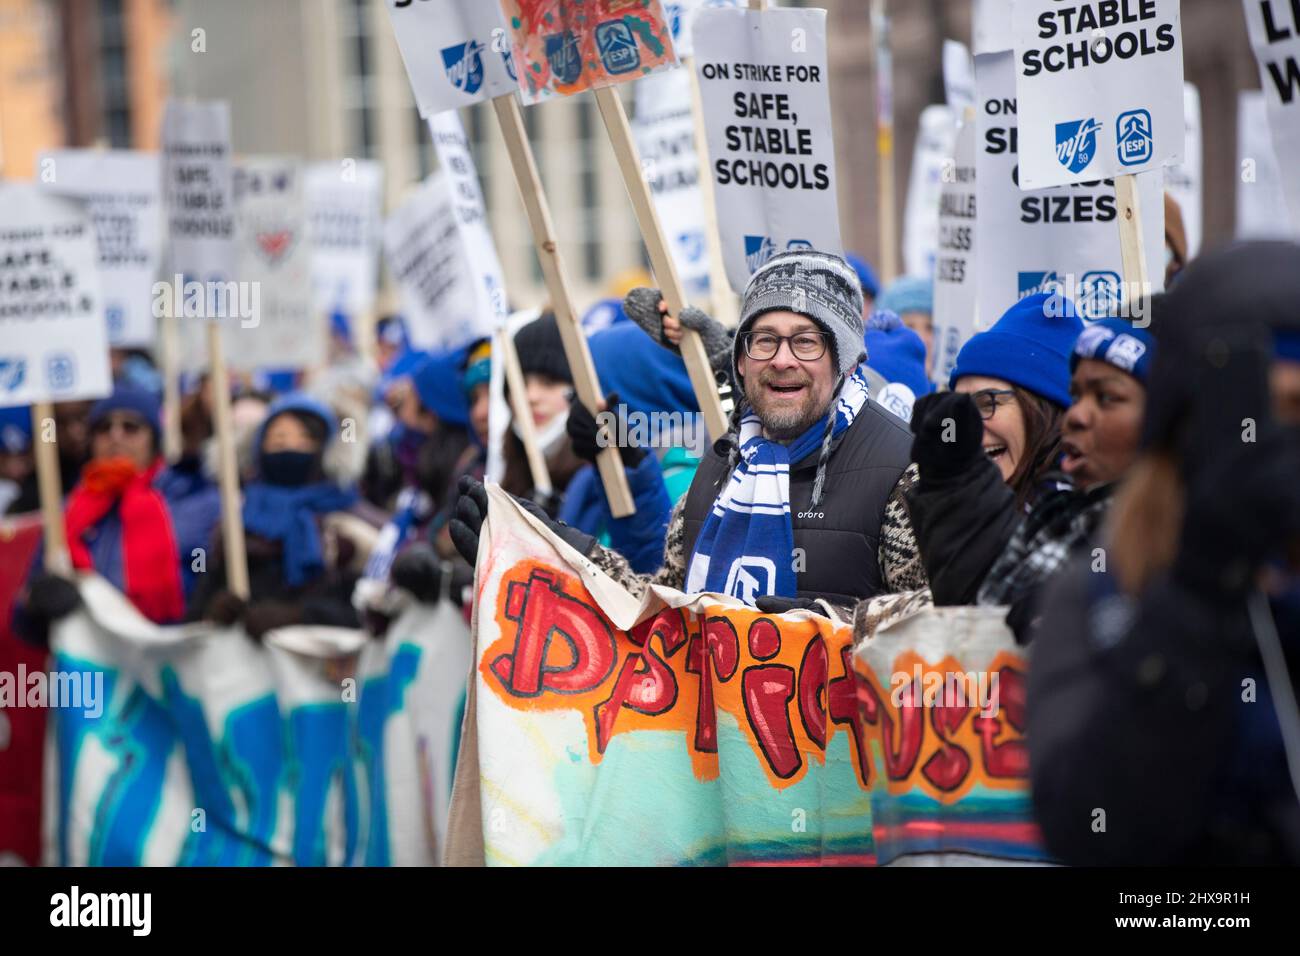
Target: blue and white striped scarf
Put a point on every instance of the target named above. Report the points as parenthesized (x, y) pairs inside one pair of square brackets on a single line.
[(746, 547)]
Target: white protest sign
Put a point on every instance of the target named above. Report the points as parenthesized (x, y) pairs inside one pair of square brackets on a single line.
[(1099, 86), (955, 301), (196, 185), (1064, 239), (457, 52), (120, 189), (1261, 205), (958, 76), (1274, 27), (427, 259), (457, 163), (53, 338), (665, 140), (935, 136), (681, 16), (275, 259), (345, 222), (1183, 180), (764, 88), (991, 26)]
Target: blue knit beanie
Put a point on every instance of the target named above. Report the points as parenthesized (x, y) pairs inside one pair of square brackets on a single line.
[(437, 383), (866, 278), (124, 398), (908, 294), (1116, 342), (896, 352), (1029, 346)]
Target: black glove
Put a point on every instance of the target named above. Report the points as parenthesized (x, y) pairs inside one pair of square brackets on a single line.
[(952, 416), (50, 598), (642, 307), (775, 604), (471, 512), (418, 569), (580, 542), (263, 616), (583, 433), (225, 608)]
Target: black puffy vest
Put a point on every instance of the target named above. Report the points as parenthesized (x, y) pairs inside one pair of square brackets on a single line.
[(840, 541)]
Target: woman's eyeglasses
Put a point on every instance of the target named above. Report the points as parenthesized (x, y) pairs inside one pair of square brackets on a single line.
[(805, 346), (987, 400)]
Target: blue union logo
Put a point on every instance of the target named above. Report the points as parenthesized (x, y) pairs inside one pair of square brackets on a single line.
[(464, 65), (564, 56), (617, 47), (1076, 143), (1133, 138)]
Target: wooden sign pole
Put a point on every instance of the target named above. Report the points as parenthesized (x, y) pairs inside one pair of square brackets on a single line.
[(49, 484), (232, 520), (505, 347), (608, 461), (885, 142), (661, 260), (1132, 251)]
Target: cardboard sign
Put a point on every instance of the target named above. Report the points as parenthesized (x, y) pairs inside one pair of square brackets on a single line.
[(1274, 27), (1261, 203), (581, 694), (197, 192), (53, 337), (121, 192), (1184, 180), (665, 140), (562, 47), (1099, 86), (767, 113), (345, 221), (1064, 239), (955, 273), (931, 159), (456, 51)]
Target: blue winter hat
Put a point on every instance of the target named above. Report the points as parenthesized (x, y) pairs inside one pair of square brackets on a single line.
[(908, 294), (602, 315), (15, 429), (1286, 344), (648, 378), (1029, 346), (437, 383), (1116, 342), (477, 368), (125, 398), (866, 278), (896, 352)]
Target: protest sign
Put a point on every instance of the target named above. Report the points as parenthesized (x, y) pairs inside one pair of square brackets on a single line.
[(457, 52), (1261, 204), (345, 222), (121, 192), (562, 48), (935, 136), (958, 76), (1099, 86), (53, 337), (943, 693), (1063, 239), (681, 16), (1274, 27), (747, 723), (1184, 180), (196, 189), (665, 140), (991, 26), (767, 113), (955, 272)]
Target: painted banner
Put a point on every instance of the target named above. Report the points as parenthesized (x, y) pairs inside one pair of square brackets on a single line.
[(457, 52), (562, 47), (1063, 239), (198, 746), (943, 690), (764, 86), (665, 141), (1261, 203), (1099, 87), (955, 301), (197, 191), (1274, 27), (933, 155), (53, 337), (746, 724), (121, 192), (1184, 180), (345, 222)]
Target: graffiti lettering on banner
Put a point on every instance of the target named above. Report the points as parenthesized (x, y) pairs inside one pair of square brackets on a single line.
[(1099, 87)]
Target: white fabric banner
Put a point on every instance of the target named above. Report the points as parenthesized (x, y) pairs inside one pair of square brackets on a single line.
[(1064, 239), (1274, 27), (1099, 87), (457, 52), (955, 301), (345, 221), (764, 85), (935, 137), (196, 188), (53, 337), (121, 191)]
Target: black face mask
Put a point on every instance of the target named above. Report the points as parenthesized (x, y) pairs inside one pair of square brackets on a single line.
[(291, 468)]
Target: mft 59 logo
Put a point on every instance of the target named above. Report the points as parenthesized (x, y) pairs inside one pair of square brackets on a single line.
[(1076, 143)]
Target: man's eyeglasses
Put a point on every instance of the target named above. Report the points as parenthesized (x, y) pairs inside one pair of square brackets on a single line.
[(805, 346), (129, 426), (987, 400)]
